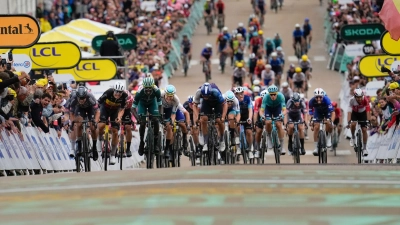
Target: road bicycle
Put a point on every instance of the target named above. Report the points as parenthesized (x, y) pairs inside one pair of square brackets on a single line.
[(175, 160), (149, 142), (121, 153), (220, 22), (222, 60), (185, 63), (263, 148), (275, 140), (274, 5), (206, 70), (358, 145), (335, 140), (85, 149), (322, 149), (244, 146), (296, 146), (211, 156), (230, 147), (106, 144), (209, 24)]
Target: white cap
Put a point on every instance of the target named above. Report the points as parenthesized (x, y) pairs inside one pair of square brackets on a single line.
[(208, 45), (256, 89), (297, 25), (225, 29), (274, 54), (256, 82), (239, 35), (268, 66), (240, 24)]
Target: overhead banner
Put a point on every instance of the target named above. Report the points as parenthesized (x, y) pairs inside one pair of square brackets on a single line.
[(22, 62), (362, 32), (370, 66), (18, 31), (92, 69), (126, 41), (52, 55), (388, 45), (354, 50)]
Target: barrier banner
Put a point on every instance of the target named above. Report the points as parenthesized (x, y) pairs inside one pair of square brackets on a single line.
[(53, 154), (7, 157), (37, 145), (24, 163), (69, 162), (394, 145), (372, 149), (30, 153), (383, 148)]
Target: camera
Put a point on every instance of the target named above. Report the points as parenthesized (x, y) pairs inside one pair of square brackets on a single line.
[(3, 62), (10, 56), (8, 66)]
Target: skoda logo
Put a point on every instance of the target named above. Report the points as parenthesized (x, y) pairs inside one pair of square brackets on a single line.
[(27, 64)]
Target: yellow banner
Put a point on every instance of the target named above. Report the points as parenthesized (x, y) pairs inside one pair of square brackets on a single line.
[(92, 70), (390, 46), (370, 66), (18, 31), (52, 55)]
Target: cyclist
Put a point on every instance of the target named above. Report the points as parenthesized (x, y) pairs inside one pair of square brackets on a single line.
[(255, 44), (208, 8), (304, 114), (239, 46), (260, 66), (273, 105), (223, 39), (183, 120), (305, 65), (307, 33), (320, 108), (268, 75), (85, 106), (281, 55), (206, 55), (147, 99), (269, 47), (259, 126), (241, 30), (112, 104), (299, 80), (276, 66), (128, 122), (295, 109), (289, 74), (277, 41), (170, 103), (256, 92), (239, 73), (297, 37), (220, 6), (233, 114), (286, 91), (186, 47), (359, 110), (338, 118), (211, 98), (261, 7), (188, 105), (251, 64), (246, 113)]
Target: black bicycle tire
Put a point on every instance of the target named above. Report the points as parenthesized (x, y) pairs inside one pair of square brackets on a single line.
[(296, 147), (242, 145), (89, 159), (359, 144), (85, 148), (277, 154), (263, 146), (149, 141), (325, 152), (121, 150), (158, 157), (192, 152), (77, 162), (177, 152), (320, 146), (105, 151)]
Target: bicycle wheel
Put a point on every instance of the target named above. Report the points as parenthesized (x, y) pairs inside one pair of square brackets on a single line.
[(227, 158), (243, 147), (321, 147), (150, 148), (86, 158), (77, 162), (105, 151), (263, 147), (335, 138), (192, 153), (178, 152), (121, 150), (296, 147), (159, 156), (359, 147), (276, 146)]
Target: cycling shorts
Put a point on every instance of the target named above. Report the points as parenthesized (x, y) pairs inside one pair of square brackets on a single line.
[(359, 116), (127, 117), (206, 108), (107, 114), (320, 115), (298, 84), (88, 112), (152, 108), (180, 117), (295, 117), (238, 80), (336, 121), (272, 112)]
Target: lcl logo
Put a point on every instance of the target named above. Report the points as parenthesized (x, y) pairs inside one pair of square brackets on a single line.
[(87, 66), (45, 52)]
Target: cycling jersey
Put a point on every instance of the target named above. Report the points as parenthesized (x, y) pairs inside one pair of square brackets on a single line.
[(354, 106), (220, 7), (295, 112), (216, 100), (234, 108), (257, 103), (306, 30), (180, 116), (305, 64), (267, 76), (276, 65), (173, 105), (186, 105), (90, 101), (297, 34), (206, 53), (281, 56), (110, 102), (245, 105), (268, 102), (186, 46), (299, 77), (252, 65), (151, 102), (240, 73), (325, 107), (242, 31)]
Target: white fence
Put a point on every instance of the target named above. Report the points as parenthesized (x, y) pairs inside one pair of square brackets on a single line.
[(38, 153)]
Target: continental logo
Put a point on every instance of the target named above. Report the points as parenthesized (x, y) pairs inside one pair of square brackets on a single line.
[(92, 69), (18, 31), (52, 55)]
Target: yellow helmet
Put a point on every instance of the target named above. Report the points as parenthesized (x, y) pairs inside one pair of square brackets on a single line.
[(394, 85), (298, 69), (239, 64), (12, 92), (304, 57), (260, 32)]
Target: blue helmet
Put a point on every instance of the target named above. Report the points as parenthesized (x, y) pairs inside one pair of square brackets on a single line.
[(190, 98), (206, 89), (273, 89), (170, 90)]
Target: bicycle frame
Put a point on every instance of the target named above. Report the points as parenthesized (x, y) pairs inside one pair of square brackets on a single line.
[(322, 149), (243, 142), (212, 139), (296, 147), (275, 140), (358, 143)]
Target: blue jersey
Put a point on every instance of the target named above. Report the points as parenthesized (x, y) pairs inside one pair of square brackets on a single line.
[(206, 53), (297, 33), (216, 96), (276, 62), (245, 105), (324, 107)]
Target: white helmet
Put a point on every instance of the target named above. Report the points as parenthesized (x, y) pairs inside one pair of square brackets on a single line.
[(256, 82), (274, 54), (285, 84), (256, 89), (302, 96), (263, 93), (358, 92), (251, 28), (297, 25), (319, 92), (268, 66), (225, 29), (240, 24), (119, 86), (239, 90), (252, 56), (279, 48), (208, 45)]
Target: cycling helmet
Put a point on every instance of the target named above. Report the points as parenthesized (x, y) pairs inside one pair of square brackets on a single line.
[(81, 92), (306, 20), (240, 24), (285, 84), (225, 29), (279, 48), (304, 57), (256, 89), (119, 86), (206, 89), (298, 70), (260, 32), (302, 96), (170, 90), (252, 56), (334, 104), (272, 89), (274, 54), (263, 93), (297, 25), (358, 92), (268, 66), (239, 65), (296, 97), (256, 82), (148, 82), (208, 45), (394, 85), (319, 92), (229, 96), (239, 90), (190, 98)]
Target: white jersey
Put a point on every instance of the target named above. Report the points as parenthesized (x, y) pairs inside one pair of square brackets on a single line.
[(305, 64), (297, 77), (240, 73), (267, 75), (235, 106), (173, 104), (181, 108)]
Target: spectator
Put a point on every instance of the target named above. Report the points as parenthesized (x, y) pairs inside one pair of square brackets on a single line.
[(37, 108)]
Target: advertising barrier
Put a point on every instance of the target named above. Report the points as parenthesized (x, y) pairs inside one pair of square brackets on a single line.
[(36, 152), (362, 32), (22, 62), (52, 55), (92, 69), (18, 31), (126, 41)]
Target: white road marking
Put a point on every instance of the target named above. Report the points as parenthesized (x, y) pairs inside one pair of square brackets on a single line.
[(270, 152), (319, 58), (198, 181), (292, 59)]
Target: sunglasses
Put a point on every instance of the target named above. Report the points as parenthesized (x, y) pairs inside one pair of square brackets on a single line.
[(82, 98), (272, 94), (229, 101), (318, 97), (118, 92)]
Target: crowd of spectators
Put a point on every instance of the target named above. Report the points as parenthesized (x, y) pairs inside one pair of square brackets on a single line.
[(385, 102), (40, 102)]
